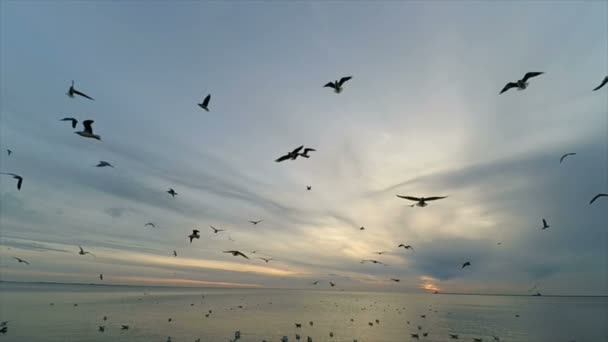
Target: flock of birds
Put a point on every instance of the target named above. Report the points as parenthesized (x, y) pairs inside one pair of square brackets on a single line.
[(300, 151)]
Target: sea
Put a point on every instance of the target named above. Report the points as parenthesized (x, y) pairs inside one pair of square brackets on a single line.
[(69, 312)]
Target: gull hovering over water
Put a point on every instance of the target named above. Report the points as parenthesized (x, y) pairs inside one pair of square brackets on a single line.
[(215, 230), (194, 235), (421, 200), (72, 91), (255, 222), (21, 260), (337, 85), (521, 84), (104, 164), (545, 225), (406, 246), (87, 131), (72, 120), (466, 264), (290, 155), (597, 196), (566, 155), (15, 176), (237, 253), (172, 192), (604, 81), (205, 104)]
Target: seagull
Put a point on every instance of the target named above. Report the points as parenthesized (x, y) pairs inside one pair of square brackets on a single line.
[(215, 230), (406, 246), (565, 155), (104, 164), (83, 252), (102, 328), (315, 282), (602, 84), (305, 153), (545, 225), (373, 261), (9, 151), (15, 176), (298, 325), (362, 228), (124, 327), (194, 235), (308, 187), (174, 253), (454, 336), (290, 155), (100, 276), (337, 85), (21, 260), (425, 334), (237, 253), (597, 196), (395, 280), (415, 336), (468, 263), (4, 329), (255, 222), (87, 132), (380, 253), (332, 284), (266, 259), (477, 339), (521, 84), (150, 224), (71, 92), (172, 192), (421, 200), (74, 121), (205, 104)]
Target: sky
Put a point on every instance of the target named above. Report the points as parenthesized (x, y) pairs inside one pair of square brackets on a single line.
[(422, 116)]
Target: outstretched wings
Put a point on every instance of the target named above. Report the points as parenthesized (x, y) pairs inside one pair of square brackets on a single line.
[(529, 75), (411, 198), (508, 86), (344, 79), (602, 84), (434, 198), (597, 196)]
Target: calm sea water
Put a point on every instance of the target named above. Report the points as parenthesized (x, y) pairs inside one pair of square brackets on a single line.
[(271, 314)]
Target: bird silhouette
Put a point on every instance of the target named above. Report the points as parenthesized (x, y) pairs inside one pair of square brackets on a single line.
[(421, 201), (293, 155), (21, 260), (104, 164), (566, 155), (604, 81), (237, 253), (466, 264), (194, 235), (337, 85), (72, 120), (172, 192), (205, 104), (545, 225), (72, 91), (596, 197), (215, 230), (15, 176), (87, 131), (521, 84), (406, 246)]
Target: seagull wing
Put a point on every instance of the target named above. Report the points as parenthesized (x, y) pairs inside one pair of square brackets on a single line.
[(344, 79), (508, 86), (411, 198), (74, 121), (306, 150), (544, 223), (19, 181), (206, 100), (297, 150), (330, 85), (564, 157), (82, 94), (602, 84), (598, 196), (283, 158), (529, 75), (434, 198), (88, 126), (241, 254)]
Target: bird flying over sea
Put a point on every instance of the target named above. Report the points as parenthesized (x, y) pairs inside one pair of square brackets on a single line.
[(174, 253), (104, 164), (255, 222), (290, 155), (21, 260), (406, 246), (308, 187), (466, 264), (604, 81), (205, 104), (521, 84), (337, 85), (421, 201), (15, 176), (72, 91), (237, 253), (172, 192), (194, 235), (150, 224), (597, 196), (266, 259), (83, 252), (87, 131), (545, 225), (216, 230), (566, 155), (100, 276), (72, 120), (395, 280), (373, 261)]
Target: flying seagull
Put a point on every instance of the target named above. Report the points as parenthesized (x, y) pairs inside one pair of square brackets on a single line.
[(237, 253), (454, 336), (150, 224), (597, 196), (104, 164), (87, 132), (415, 336), (305, 153), (255, 222), (9, 151), (308, 187), (466, 264), (83, 252), (545, 225), (315, 282), (521, 84), (406, 246), (395, 280), (174, 253), (172, 192), (215, 230), (21, 260), (124, 327), (100, 276), (72, 91), (72, 120), (290, 155), (380, 253), (566, 155), (362, 228), (17, 177), (205, 104), (266, 259), (194, 235), (602, 84), (373, 261), (337, 85), (421, 200), (332, 284)]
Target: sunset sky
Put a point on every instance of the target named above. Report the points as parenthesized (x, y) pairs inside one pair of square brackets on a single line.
[(421, 117)]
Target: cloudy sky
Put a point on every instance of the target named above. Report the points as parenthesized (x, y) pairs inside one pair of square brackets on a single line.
[(421, 117)]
